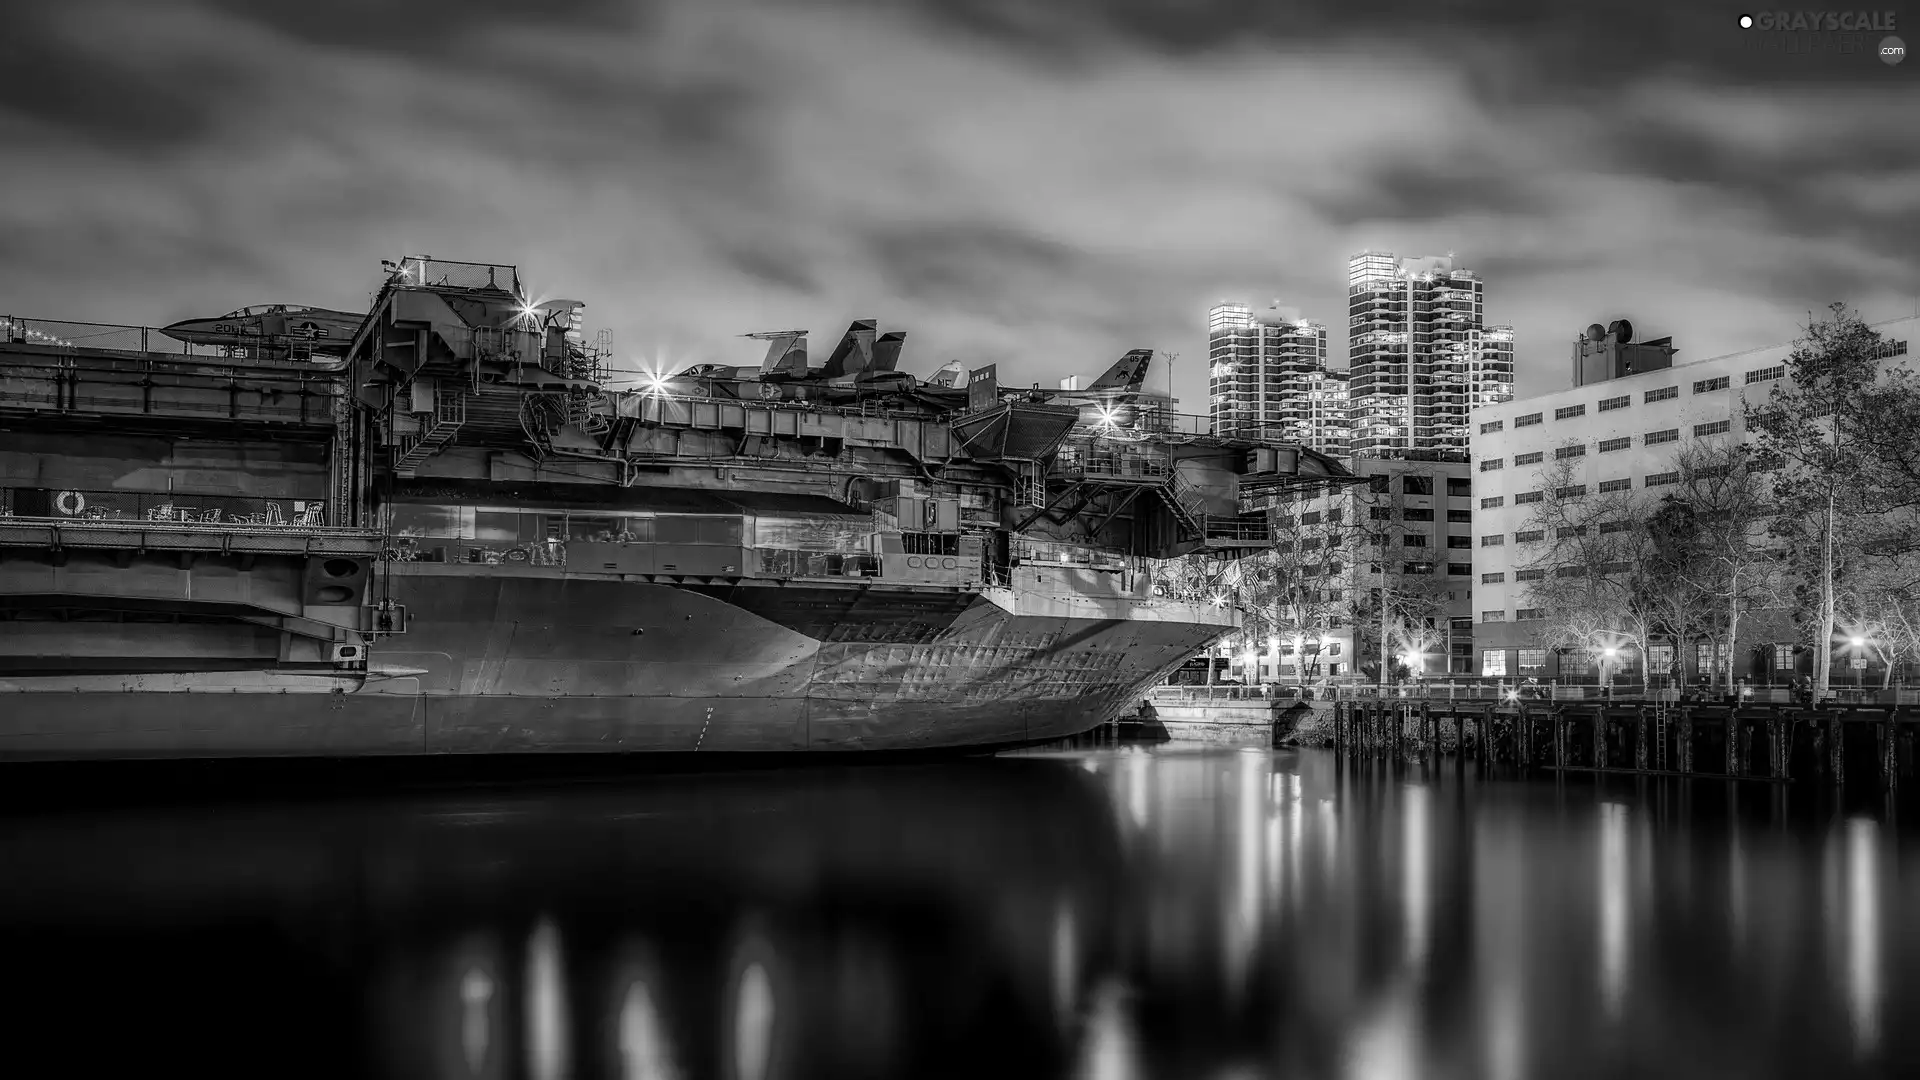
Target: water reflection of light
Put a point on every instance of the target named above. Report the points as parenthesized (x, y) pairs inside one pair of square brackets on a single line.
[(644, 1051), (753, 1023), (1386, 1046), (476, 993), (1066, 971), (1252, 789), (1499, 933), (1863, 933), (1736, 889), (546, 1005), (1242, 923), (1137, 788), (1613, 906), (1329, 840), (1111, 1050), (1415, 868)]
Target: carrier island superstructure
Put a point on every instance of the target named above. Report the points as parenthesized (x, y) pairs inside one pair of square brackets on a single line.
[(461, 531)]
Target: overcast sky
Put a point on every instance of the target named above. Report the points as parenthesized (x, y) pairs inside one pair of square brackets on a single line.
[(1041, 184)]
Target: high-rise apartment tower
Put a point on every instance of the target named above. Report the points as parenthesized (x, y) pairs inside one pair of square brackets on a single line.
[(1268, 378), (1419, 355)]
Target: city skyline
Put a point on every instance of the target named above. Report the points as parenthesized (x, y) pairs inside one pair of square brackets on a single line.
[(1038, 190)]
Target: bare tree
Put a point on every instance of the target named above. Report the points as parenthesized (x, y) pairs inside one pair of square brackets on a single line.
[(1714, 549), (1586, 566), (1296, 591), (1836, 436)]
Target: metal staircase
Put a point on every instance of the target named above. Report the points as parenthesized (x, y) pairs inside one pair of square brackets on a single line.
[(436, 430), (1186, 504), (1030, 485)]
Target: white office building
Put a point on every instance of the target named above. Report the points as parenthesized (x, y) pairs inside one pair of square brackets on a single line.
[(1620, 430)]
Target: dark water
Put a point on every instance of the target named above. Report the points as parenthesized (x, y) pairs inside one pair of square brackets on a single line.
[(1201, 914)]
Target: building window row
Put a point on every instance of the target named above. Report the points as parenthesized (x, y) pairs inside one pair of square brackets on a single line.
[(1529, 575), (1569, 412), (1459, 515), (1718, 427), (1528, 459), (1459, 541), (1416, 514), (1527, 497), (1574, 451), (1571, 491), (1615, 485), (1890, 349), (1493, 463), (1494, 616), (1663, 394), (1495, 540), (1493, 502), (1613, 403), (1708, 386), (1608, 446), (1529, 536), (1526, 421), (1655, 438), (1767, 374), (1529, 614), (1494, 578), (1492, 426), (1662, 479)]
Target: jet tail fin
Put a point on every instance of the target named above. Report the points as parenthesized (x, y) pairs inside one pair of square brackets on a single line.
[(1128, 373), (854, 352), (949, 376), (886, 351)]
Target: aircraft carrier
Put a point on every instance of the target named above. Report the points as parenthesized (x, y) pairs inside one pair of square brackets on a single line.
[(459, 529)]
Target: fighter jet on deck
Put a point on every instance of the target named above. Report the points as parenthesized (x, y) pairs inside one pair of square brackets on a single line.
[(272, 325), (1116, 397), (861, 365)]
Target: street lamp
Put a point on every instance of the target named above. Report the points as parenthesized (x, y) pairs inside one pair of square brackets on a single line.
[(1859, 668), (1607, 656)]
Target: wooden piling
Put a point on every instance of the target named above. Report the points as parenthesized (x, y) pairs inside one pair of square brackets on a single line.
[(1889, 730)]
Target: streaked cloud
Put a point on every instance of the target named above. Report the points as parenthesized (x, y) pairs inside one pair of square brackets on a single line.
[(1038, 185)]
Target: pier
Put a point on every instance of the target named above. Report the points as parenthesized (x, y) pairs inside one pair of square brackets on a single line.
[(1836, 743)]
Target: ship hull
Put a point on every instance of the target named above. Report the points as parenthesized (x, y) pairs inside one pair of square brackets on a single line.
[(575, 664)]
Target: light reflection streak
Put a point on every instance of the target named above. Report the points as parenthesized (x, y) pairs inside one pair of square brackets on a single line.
[(1613, 906), (476, 993), (546, 1005), (1385, 1048), (1276, 883), (1737, 889), (753, 1023), (1111, 1050), (644, 1050), (1242, 922), (1329, 840), (1500, 927), (1863, 934), (1137, 787), (1415, 871), (1065, 962)]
